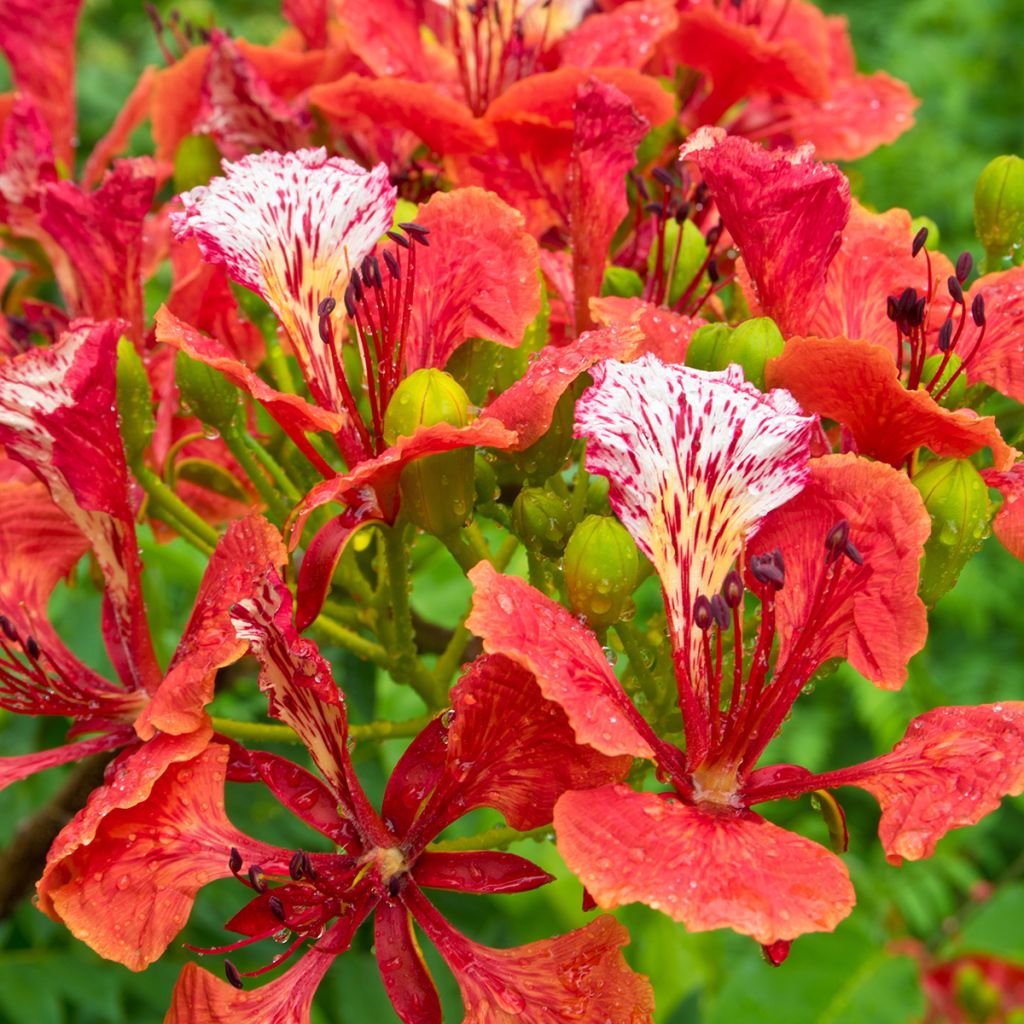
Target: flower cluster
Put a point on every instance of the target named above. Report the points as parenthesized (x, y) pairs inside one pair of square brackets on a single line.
[(572, 298)]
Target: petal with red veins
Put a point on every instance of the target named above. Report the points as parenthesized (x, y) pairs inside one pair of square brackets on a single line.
[(21, 766), (998, 361), (695, 461), (101, 234), (201, 998), (123, 875), (310, 18), (40, 47), (415, 777), (606, 131), (58, 417), (578, 976), (402, 967), (875, 261), (238, 564), (292, 227), (951, 769), (873, 616), (511, 749), (486, 871), (786, 213), (238, 109), (565, 658), (742, 62), (857, 384), (1009, 522), (665, 334), (709, 868), (623, 37), (27, 162), (477, 279)]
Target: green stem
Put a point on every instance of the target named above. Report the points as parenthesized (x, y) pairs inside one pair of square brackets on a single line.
[(467, 546), (580, 486), (633, 645), (497, 838), (280, 371), (273, 467), (505, 552), (259, 732), (355, 642), (234, 439), (173, 511)]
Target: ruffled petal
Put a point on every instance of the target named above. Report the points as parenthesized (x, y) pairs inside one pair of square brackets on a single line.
[(245, 553), (786, 213), (706, 868), (951, 769), (999, 360), (581, 975), (477, 279), (41, 51), (1009, 522), (101, 234), (510, 749), (874, 616), (606, 131), (626, 36), (515, 620), (695, 461), (857, 384), (665, 334), (123, 874), (310, 18), (26, 164), (58, 417), (292, 227)]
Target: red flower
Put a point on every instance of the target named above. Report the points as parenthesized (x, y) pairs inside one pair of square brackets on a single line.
[(705, 473), (501, 745)]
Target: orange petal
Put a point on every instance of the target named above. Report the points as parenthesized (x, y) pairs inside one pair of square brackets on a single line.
[(706, 868), (856, 383), (1000, 359), (1009, 522)]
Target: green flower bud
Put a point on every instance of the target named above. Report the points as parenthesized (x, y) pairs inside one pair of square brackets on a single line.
[(206, 394), (999, 211), (932, 241), (437, 491), (485, 480), (682, 258), (134, 402), (957, 501), (196, 162), (954, 397), (601, 566), (751, 345), (623, 282), (541, 520), (547, 456)]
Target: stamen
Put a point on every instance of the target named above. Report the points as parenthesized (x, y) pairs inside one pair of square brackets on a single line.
[(235, 862), (231, 972), (964, 264), (702, 615), (732, 589), (919, 239), (835, 541), (256, 878)]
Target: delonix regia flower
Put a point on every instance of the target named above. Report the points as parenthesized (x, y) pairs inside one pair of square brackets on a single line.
[(500, 745), (714, 482)]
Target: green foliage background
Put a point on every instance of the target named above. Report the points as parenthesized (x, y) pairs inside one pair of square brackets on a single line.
[(964, 64)]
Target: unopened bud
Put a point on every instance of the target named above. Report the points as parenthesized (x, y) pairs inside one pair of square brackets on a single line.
[(206, 393), (751, 345), (957, 500), (437, 491), (541, 520), (954, 397), (196, 161), (601, 566), (999, 211), (134, 402)]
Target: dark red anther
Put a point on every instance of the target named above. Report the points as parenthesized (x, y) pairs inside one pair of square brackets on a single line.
[(964, 264), (713, 236), (919, 239), (732, 589), (892, 308), (295, 871), (682, 212), (767, 569), (307, 867), (356, 285), (9, 631), (918, 314), (978, 310), (700, 194), (256, 879), (235, 861), (276, 907), (396, 884), (945, 335), (702, 615), (231, 973), (835, 540), (398, 239), (350, 302), (664, 177), (712, 272), (851, 552), (956, 293), (326, 307), (416, 232), (392, 264), (656, 208), (32, 648), (720, 612), (641, 187)]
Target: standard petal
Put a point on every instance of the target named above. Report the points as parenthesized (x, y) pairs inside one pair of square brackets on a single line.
[(292, 227), (695, 461), (951, 769), (124, 873), (706, 868), (785, 212), (565, 658), (874, 616), (856, 383), (486, 871), (402, 967)]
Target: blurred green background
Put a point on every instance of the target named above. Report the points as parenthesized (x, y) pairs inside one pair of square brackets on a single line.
[(964, 63)]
